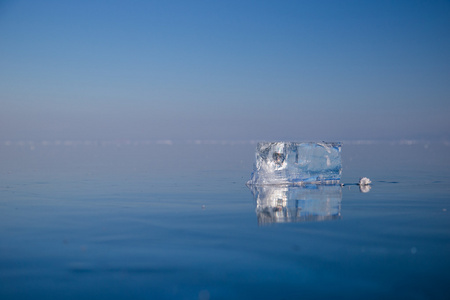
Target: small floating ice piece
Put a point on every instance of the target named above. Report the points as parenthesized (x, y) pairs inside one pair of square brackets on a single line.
[(365, 181), (364, 184), (291, 163)]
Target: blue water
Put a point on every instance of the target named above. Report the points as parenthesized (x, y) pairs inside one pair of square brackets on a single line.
[(176, 221)]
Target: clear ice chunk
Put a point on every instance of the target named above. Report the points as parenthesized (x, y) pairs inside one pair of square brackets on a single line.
[(282, 204), (291, 163)]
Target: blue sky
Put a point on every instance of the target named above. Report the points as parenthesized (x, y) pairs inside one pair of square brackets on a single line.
[(234, 70)]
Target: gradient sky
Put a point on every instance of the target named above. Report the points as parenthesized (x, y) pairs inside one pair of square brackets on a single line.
[(235, 70)]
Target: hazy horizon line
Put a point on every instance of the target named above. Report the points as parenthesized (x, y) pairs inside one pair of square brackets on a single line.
[(170, 142)]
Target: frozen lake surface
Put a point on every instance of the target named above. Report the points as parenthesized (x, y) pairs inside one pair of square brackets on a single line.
[(176, 221)]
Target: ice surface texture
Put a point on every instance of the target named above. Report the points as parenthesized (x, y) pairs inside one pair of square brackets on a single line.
[(291, 163)]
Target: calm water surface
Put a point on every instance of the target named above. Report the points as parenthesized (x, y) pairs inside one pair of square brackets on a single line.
[(177, 222)]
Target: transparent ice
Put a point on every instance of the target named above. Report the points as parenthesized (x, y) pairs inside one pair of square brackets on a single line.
[(294, 163)]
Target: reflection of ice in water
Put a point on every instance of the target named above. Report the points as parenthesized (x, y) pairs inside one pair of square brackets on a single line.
[(280, 204), (364, 188)]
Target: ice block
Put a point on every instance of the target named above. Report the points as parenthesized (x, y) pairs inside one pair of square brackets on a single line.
[(292, 163)]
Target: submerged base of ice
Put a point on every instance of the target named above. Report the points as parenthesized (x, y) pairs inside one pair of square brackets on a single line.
[(291, 163)]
